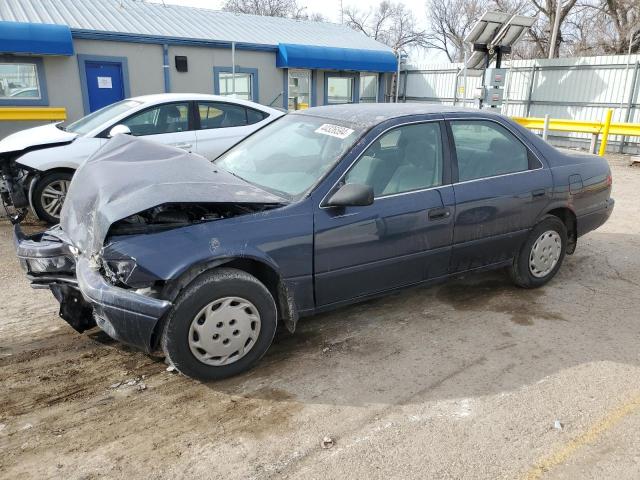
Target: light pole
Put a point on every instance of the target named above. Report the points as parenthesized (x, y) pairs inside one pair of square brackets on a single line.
[(556, 28)]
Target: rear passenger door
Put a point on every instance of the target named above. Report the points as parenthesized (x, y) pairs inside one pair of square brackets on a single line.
[(500, 188), (221, 125)]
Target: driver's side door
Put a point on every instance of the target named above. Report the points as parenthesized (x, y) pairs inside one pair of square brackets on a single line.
[(405, 236)]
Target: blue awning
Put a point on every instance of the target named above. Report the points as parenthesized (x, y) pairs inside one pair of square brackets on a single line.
[(35, 39), (332, 58)]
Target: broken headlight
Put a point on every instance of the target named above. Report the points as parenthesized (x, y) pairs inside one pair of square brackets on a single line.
[(119, 271), (125, 272), (60, 264)]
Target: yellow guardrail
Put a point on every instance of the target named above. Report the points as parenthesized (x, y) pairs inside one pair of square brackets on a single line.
[(605, 128), (32, 113)]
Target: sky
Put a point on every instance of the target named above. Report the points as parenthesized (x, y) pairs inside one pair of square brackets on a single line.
[(331, 10)]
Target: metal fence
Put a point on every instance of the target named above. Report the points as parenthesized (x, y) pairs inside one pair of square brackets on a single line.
[(581, 88)]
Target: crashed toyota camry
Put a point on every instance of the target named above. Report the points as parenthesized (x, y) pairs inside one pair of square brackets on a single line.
[(166, 251)]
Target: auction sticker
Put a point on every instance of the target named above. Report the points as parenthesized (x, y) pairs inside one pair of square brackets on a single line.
[(334, 130)]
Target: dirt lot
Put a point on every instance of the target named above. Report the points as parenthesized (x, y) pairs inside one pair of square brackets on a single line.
[(464, 380)]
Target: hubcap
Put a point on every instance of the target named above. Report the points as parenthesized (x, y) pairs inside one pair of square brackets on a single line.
[(224, 331), (545, 253), (53, 196)]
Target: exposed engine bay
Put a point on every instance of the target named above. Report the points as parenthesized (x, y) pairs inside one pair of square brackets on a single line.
[(175, 215)]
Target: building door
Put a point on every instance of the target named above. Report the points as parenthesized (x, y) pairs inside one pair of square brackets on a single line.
[(105, 83)]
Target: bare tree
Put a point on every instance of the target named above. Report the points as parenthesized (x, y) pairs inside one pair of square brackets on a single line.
[(624, 16), (541, 31), (450, 21), (268, 8), (390, 23)]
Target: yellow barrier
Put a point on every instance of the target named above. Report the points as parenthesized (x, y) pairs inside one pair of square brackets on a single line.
[(605, 133), (605, 128), (32, 113)]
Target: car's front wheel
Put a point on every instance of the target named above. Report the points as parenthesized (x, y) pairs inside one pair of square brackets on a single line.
[(220, 326), (49, 194), (541, 255)]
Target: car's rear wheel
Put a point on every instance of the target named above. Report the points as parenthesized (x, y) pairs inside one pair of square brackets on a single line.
[(220, 326), (541, 255), (49, 194)]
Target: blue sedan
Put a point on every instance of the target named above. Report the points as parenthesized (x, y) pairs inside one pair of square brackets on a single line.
[(168, 252)]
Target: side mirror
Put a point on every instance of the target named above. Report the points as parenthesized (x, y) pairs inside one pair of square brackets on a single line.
[(119, 130), (352, 195)]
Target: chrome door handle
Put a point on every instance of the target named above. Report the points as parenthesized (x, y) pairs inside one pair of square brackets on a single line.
[(184, 146)]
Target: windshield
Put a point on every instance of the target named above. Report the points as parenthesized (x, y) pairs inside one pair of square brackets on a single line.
[(290, 155), (100, 117)]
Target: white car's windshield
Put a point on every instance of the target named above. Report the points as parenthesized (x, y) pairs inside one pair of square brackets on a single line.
[(99, 117), (290, 155)]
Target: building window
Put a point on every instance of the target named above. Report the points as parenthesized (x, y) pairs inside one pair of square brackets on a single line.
[(340, 89), (299, 89), (368, 88), (242, 85), (19, 81), (241, 89)]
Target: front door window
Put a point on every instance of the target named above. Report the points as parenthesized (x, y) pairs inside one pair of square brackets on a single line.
[(299, 89)]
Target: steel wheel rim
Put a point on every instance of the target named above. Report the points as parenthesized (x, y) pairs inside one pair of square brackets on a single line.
[(545, 254), (53, 195), (224, 331)]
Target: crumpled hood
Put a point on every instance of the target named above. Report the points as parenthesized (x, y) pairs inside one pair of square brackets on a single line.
[(129, 175), (35, 137)]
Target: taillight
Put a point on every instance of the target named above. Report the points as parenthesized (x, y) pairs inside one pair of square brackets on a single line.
[(609, 180)]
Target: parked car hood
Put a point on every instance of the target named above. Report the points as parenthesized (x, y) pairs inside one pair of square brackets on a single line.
[(130, 175), (48, 134)]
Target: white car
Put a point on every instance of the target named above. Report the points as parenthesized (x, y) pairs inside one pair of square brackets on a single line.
[(46, 157)]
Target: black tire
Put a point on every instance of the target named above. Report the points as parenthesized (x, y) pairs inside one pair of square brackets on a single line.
[(520, 271), (37, 199), (207, 288)]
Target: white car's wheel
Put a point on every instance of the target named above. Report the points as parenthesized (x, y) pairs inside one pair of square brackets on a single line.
[(49, 194)]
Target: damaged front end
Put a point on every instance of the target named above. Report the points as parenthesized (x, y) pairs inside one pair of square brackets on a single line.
[(111, 262), (85, 295)]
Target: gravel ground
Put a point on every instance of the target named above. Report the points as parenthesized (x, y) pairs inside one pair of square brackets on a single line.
[(463, 380)]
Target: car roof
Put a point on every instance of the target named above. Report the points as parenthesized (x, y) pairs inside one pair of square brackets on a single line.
[(177, 97), (369, 114)]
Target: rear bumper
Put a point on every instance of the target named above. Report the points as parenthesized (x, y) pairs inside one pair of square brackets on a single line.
[(591, 221), (86, 297)]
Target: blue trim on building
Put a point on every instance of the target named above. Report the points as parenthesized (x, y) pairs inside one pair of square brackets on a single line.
[(285, 88), (356, 85), (333, 58), (35, 38), (160, 40), (255, 80), (314, 88), (83, 59), (43, 101), (166, 68)]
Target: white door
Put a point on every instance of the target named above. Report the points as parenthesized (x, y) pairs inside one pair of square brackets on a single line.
[(167, 123), (222, 125)]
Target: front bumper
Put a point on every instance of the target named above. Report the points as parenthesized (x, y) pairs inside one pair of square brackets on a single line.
[(86, 297)]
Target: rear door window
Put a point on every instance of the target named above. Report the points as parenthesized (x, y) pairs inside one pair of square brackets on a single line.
[(486, 149), (221, 115)]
